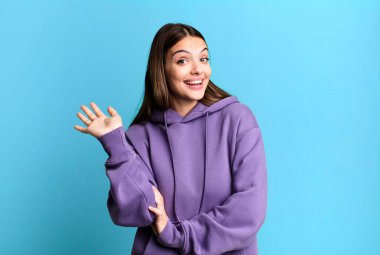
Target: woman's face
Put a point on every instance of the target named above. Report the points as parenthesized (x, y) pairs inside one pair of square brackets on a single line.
[(187, 71)]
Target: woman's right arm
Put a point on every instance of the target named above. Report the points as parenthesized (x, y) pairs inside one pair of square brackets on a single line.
[(131, 182)]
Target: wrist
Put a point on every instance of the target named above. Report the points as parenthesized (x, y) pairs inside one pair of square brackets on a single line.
[(163, 225), (115, 144), (172, 236)]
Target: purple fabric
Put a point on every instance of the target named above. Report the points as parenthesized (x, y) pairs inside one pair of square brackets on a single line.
[(209, 166)]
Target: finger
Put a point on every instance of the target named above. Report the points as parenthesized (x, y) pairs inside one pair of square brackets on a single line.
[(156, 191), (155, 210), (157, 197), (84, 119), (81, 129), (159, 202), (112, 111), (88, 112), (97, 111)]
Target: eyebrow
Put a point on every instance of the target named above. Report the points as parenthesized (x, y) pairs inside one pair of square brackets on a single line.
[(187, 51)]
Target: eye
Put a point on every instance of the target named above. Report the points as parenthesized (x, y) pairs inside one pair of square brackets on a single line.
[(206, 59), (181, 61)]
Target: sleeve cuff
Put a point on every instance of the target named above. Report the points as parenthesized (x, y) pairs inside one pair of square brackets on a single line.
[(115, 143), (171, 236)]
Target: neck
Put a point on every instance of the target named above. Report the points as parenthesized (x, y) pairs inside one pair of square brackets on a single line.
[(183, 108)]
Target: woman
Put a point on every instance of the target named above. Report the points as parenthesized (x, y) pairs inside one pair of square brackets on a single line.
[(190, 171)]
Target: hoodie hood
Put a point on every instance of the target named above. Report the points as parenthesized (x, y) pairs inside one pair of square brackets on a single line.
[(198, 111), (170, 116)]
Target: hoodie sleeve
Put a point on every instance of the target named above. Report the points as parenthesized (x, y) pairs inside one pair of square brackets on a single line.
[(131, 182), (234, 224)]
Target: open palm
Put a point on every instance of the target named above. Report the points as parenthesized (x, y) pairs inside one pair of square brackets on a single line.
[(98, 124)]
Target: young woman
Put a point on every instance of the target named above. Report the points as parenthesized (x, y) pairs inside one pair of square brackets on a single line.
[(190, 171)]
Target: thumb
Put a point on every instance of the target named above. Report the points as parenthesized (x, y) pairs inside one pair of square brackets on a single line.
[(112, 111)]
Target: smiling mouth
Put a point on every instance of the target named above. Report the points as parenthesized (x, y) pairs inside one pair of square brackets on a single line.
[(193, 82)]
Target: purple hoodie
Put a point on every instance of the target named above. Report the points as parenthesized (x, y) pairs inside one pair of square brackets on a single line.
[(210, 168)]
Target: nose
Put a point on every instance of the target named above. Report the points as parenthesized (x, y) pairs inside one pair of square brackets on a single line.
[(196, 68)]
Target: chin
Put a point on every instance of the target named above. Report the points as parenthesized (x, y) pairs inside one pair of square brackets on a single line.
[(198, 96)]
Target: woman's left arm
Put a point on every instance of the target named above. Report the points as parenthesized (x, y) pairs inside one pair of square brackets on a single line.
[(234, 224)]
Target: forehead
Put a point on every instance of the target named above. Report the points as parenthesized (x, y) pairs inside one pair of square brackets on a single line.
[(189, 43)]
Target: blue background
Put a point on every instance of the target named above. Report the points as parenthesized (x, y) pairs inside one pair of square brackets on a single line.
[(310, 72)]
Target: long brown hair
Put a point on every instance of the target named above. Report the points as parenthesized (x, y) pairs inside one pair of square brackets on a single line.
[(156, 94)]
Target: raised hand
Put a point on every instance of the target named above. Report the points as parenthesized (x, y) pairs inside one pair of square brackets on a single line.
[(98, 124)]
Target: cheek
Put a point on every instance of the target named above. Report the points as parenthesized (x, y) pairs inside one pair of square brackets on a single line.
[(175, 78), (208, 71), (172, 76), (176, 74)]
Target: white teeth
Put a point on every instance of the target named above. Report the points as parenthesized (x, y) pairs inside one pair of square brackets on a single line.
[(193, 82)]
